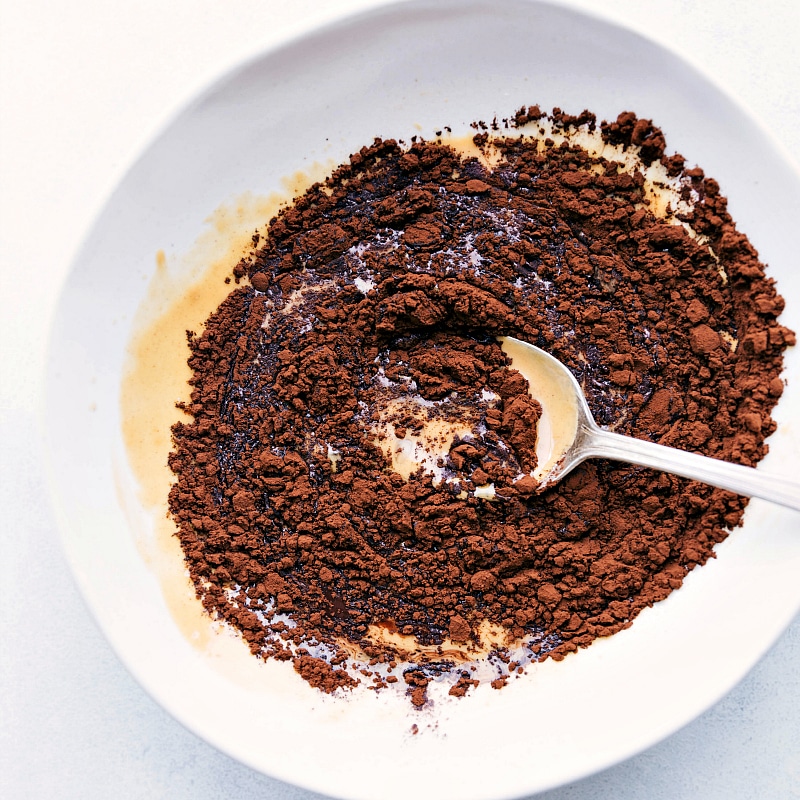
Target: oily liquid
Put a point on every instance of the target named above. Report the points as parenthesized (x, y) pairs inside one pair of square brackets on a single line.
[(423, 449)]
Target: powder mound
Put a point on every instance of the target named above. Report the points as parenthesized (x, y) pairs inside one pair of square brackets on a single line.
[(320, 674), (353, 491)]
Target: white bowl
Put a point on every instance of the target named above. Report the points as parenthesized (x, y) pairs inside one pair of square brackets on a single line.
[(396, 72)]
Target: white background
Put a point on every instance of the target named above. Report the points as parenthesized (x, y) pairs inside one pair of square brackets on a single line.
[(84, 86)]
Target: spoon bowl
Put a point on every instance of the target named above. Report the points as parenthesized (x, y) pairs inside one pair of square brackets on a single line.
[(568, 435)]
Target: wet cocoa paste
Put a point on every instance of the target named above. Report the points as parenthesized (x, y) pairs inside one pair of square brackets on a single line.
[(377, 297)]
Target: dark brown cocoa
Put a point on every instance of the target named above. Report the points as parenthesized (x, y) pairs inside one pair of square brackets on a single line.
[(392, 280)]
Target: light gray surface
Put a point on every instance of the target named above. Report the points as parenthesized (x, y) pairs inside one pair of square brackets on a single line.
[(83, 88)]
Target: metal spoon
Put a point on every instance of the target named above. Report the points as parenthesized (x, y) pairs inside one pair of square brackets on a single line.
[(568, 435)]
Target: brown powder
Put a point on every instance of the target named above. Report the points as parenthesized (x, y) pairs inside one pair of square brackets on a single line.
[(370, 319)]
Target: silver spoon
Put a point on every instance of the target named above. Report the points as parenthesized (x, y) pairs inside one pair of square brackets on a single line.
[(568, 435)]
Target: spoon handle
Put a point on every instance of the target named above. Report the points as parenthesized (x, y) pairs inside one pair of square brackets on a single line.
[(736, 478)]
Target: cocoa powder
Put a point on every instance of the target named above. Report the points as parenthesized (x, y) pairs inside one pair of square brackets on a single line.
[(371, 310)]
